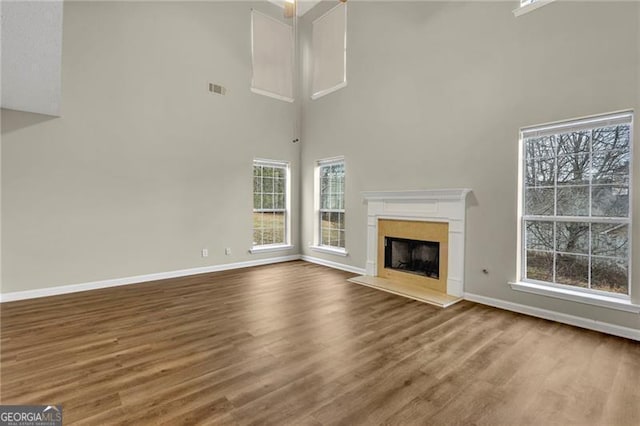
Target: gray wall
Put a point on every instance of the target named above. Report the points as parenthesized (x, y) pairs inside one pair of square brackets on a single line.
[(436, 94), (145, 167)]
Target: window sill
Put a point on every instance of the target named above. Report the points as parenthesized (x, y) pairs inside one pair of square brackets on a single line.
[(577, 296), (268, 249), (531, 7), (329, 250)]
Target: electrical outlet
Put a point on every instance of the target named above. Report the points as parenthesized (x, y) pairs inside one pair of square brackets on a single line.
[(205, 252), (227, 251)]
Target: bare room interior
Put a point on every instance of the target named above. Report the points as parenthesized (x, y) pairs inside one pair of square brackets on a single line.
[(320, 212)]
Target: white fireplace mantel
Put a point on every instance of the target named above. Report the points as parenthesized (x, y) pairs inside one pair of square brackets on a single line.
[(434, 205)]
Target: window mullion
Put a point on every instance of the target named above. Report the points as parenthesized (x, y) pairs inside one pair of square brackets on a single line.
[(555, 206), (590, 204)]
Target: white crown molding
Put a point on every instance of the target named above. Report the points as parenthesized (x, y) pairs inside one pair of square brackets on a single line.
[(137, 279), (590, 324)]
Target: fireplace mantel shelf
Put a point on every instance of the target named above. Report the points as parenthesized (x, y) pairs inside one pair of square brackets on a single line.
[(415, 195)]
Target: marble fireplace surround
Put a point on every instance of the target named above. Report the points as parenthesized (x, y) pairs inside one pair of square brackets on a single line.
[(429, 205)]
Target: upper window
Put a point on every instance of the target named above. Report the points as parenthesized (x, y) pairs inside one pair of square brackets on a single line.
[(272, 45), (270, 203), (576, 203), (329, 51), (331, 210), (530, 5)]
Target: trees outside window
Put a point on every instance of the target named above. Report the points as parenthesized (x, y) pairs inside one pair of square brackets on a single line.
[(331, 174), (270, 203), (576, 213)]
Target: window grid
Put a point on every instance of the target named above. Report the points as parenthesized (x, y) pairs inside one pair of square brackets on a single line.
[(331, 210), (270, 201), (621, 252)]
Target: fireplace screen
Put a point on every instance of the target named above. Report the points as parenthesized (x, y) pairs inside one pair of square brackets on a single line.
[(413, 256)]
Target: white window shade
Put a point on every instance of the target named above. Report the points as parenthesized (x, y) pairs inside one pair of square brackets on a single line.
[(329, 49), (272, 57)]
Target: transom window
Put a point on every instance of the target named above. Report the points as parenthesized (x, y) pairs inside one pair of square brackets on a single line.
[(331, 210), (270, 203), (576, 204)]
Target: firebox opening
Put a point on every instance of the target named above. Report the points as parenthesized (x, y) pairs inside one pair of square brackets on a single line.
[(412, 256)]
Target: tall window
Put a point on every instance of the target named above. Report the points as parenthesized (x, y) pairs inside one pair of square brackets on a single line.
[(329, 52), (576, 204), (270, 203), (331, 203)]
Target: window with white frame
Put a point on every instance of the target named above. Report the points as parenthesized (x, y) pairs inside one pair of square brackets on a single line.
[(330, 199), (576, 204), (329, 51), (270, 203), (530, 5)]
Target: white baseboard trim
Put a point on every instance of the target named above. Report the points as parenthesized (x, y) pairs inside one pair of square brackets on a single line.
[(334, 265), (74, 288), (604, 327)]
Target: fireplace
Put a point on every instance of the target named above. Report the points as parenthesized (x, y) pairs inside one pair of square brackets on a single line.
[(412, 256), (436, 219), (414, 252)]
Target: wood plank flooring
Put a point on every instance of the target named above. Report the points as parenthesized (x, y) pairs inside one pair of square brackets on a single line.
[(296, 344)]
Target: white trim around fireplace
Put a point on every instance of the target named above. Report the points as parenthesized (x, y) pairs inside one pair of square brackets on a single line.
[(434, 205)]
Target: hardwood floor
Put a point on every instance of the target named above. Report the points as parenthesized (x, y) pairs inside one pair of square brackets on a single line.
[(295, 343)]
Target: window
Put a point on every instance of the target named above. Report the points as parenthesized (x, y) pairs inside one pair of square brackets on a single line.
[(576, 204), (530, 5), (329, 49), (330, 199), (270, 203), (271, 57)]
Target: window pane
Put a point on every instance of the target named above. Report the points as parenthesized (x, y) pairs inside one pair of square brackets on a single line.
[(278, 186), (572, 237), (539, 201), (540, 236), (610, 240), (540, 172), (573, 170), (610, 275), (267, 201), (574, 143), (279, 173), (257, 184), (612, 138), (257, 201), (573, 201), (539, 266), (257, 237), (544, 147), (279, 201), (278, 226), (610, 201), (572, 270), (611, 167), (324, 202), (267, 185)]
